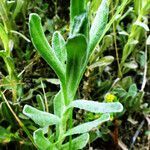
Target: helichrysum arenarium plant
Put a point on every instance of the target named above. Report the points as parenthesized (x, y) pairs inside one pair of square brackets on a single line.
[(69, 60)]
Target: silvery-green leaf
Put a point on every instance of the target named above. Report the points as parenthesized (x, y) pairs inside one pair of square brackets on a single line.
[(97, 107), (98, 24), (77, 143), (41, 44), (76, 55), (40, 140), (39, 117), (58, 45), (59, 104), (86, 127)]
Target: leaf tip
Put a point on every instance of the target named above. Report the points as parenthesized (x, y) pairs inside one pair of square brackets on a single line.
[(25, 109), (34, 15), (120, 106)]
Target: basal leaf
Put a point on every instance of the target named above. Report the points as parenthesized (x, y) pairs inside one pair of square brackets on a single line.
[(98, 25), (76, 55), (77, 143), (58, 44), (97, 107), (41, 44), (86, 127), (39, 117)]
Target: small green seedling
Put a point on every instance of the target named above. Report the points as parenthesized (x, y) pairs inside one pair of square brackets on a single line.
[(69, 60)]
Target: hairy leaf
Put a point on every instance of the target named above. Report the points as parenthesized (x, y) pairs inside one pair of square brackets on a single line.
[(77, 143), (97, 107), (86, 127), (39, 117), (58, 104), (41, 44), (58, 44), (98, 25), (40, 140), (76, 54)]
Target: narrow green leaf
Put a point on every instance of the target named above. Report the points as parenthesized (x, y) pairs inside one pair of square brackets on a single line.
[(58, 45), (41, 44), (40, 140), (98, 25), (39, 117), (77, 7), (77, 143), (76, 55), (86, 127), (97, 107)]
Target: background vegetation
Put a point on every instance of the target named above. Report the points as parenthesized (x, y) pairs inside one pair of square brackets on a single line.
[(120, 66)]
